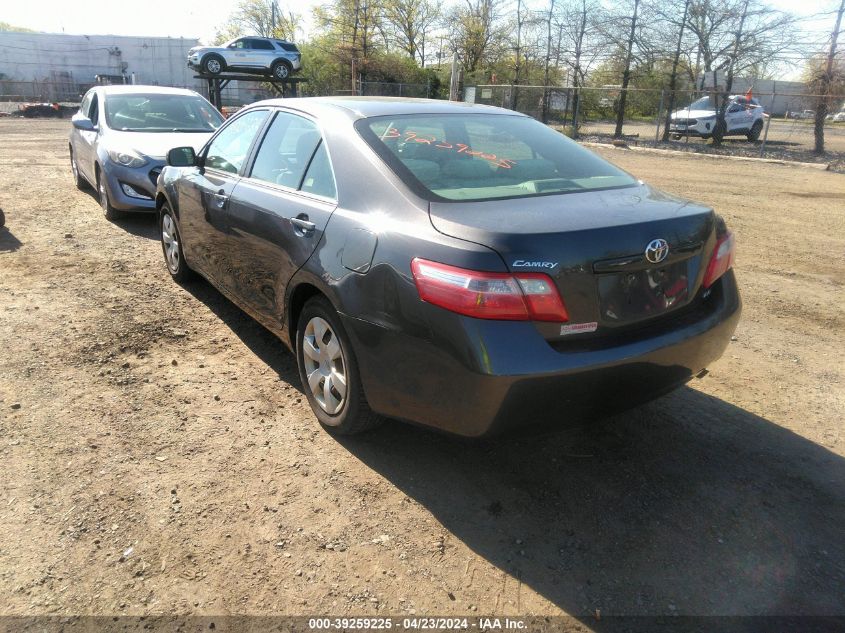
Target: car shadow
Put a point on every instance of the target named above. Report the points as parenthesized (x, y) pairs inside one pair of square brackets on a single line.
[(8, 241), (138, 223), (263, 343), (687, 505)]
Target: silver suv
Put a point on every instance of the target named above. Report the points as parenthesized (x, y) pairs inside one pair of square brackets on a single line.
[(278, 58)]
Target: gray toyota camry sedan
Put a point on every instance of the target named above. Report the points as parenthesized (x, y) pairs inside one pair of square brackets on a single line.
[(121, 135), (456, 266)]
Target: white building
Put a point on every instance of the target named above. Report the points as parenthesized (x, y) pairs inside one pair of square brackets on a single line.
[(61, 67)]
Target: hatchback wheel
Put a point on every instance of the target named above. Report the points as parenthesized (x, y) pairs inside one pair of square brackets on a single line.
[(80, 182), (171, 246), (109, 211), (329, 371)]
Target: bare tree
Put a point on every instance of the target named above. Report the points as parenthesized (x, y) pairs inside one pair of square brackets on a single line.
[(258, 17), (626, 73), (477, 33), (410, 21), (823, 83)]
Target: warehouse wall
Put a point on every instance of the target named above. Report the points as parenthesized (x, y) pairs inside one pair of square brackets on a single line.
[(44, 56)]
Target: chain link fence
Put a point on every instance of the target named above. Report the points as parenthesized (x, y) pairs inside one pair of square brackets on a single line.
[(772, 124)]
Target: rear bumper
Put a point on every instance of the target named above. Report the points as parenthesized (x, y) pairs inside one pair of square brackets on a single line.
[(486, 377)]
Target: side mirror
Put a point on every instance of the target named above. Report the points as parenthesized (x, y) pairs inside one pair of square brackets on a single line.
[(182, 157), (83, 123)]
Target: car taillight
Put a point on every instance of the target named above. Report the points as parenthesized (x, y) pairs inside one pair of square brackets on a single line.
[(721, 260), (519, 297)]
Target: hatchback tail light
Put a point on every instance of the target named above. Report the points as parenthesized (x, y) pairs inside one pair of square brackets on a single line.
[(520, 297), (721, 260)]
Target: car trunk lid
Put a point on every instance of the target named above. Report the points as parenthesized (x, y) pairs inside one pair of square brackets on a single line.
[(593, 246)]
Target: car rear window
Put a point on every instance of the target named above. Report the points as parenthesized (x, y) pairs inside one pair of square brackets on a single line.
[(470, 157)]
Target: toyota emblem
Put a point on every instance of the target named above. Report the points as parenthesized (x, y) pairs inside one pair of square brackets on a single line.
[(656, 251)]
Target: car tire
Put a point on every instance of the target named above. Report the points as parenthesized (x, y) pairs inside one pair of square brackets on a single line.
[(109, 211), (754, 134), (79, 181), (281, 70), (213, 65), (340, 409), (171, 246)]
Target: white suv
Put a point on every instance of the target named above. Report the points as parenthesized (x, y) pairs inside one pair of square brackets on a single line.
[(265, 55), (743, 117)]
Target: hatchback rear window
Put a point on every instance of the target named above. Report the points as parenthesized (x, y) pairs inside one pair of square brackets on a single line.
[(470, 157)]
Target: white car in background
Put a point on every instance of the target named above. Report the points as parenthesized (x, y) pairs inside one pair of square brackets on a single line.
[(265, 55), (743, 117)]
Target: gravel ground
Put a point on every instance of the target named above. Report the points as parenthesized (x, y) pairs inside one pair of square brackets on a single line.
[(159, 456)]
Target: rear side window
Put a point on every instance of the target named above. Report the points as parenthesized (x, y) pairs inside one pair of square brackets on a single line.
[(286, 150), (470, 157), (319, 178), (228, 150), (262, 45), (287, 46)]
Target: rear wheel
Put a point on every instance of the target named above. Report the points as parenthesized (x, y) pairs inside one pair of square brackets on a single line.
[(213, 65), (281, 69), (329, 371), (109, 211), (754, 133), (171, 246)]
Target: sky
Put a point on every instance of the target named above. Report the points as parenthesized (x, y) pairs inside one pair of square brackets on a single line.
[(199, 18), (174, 18)]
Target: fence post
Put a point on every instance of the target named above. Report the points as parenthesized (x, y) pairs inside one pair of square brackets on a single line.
[(575, 118), (769, 122), (659, 112)]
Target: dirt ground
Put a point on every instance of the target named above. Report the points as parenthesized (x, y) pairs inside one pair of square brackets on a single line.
[(158, 456)]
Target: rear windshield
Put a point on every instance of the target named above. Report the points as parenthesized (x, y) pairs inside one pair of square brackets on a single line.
[(471, 157), (161, 113)]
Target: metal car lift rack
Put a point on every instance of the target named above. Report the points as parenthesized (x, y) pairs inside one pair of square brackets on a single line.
[(285, 88)]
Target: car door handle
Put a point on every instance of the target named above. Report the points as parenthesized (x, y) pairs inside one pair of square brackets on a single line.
[(220, 199), (302, 225)]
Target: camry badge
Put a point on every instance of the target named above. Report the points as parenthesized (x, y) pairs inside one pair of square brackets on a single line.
[(656, 251), (521, 263)]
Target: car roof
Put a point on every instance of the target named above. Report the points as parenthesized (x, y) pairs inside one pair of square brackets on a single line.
[(145, 90), (365, 107)]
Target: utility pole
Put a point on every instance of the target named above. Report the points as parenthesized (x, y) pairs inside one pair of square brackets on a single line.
[(545, 116), (823, 105), (273, 18)]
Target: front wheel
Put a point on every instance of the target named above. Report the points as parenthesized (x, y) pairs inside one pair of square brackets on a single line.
[(78, 180), (109, 211), (212, 65), (171, 246), (754, 134), (329, 371)]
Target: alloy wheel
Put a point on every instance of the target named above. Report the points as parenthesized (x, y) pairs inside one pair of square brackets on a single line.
[(325, 365), (170, 240), (212, 66)]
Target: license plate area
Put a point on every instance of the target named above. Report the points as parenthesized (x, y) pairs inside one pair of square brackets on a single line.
[(636, 295)]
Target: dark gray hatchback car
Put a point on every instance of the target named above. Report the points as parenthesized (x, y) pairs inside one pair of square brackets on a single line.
[(457, 266)]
